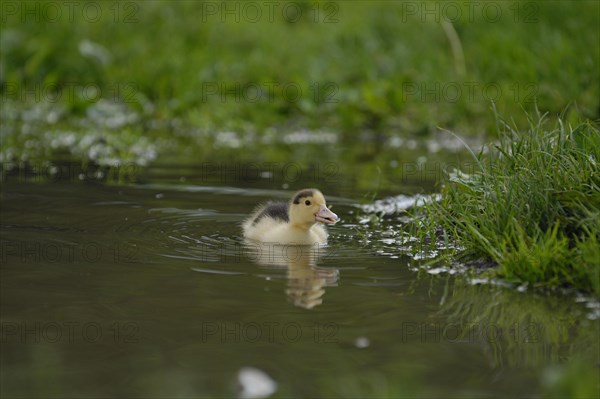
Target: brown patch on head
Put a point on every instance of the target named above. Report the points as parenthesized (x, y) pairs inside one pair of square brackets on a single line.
[(302, 194)]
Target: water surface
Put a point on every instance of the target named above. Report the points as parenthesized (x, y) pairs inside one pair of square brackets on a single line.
[(149, 290)]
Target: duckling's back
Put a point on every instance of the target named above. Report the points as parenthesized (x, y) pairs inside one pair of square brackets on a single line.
[(275, 210), (265, 218)]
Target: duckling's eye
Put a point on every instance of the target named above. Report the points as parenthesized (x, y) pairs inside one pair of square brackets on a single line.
[(307, 202)]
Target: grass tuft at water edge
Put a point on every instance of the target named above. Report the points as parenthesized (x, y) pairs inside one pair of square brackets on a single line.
[(533, 208)]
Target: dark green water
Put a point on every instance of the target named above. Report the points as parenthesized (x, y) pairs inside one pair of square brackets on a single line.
[(147, 290)]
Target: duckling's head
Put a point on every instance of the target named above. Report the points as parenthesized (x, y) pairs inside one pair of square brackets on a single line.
[(308, 207)]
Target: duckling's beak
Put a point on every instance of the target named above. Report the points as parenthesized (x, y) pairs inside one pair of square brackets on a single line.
[(326, 216)]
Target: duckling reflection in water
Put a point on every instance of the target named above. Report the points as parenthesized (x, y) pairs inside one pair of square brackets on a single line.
[(306, 280), (296, 222)]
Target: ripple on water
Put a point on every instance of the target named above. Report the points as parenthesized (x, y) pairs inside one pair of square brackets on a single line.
[(224, 252)]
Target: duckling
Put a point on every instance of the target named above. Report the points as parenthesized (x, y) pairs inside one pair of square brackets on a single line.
[(291, 223)]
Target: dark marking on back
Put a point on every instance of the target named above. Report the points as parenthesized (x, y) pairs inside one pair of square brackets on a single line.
[(302, 194), (275, 210)]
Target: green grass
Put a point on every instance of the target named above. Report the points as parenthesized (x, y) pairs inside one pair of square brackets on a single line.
[(533, 208), (369, 67)]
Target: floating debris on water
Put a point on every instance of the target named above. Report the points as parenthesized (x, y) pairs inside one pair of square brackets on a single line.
[(439, 270), (399, 203), (425, 255), (255, 383), (362, 342)]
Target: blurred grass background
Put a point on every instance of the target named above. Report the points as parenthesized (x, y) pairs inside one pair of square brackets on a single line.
[(380, 68)]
